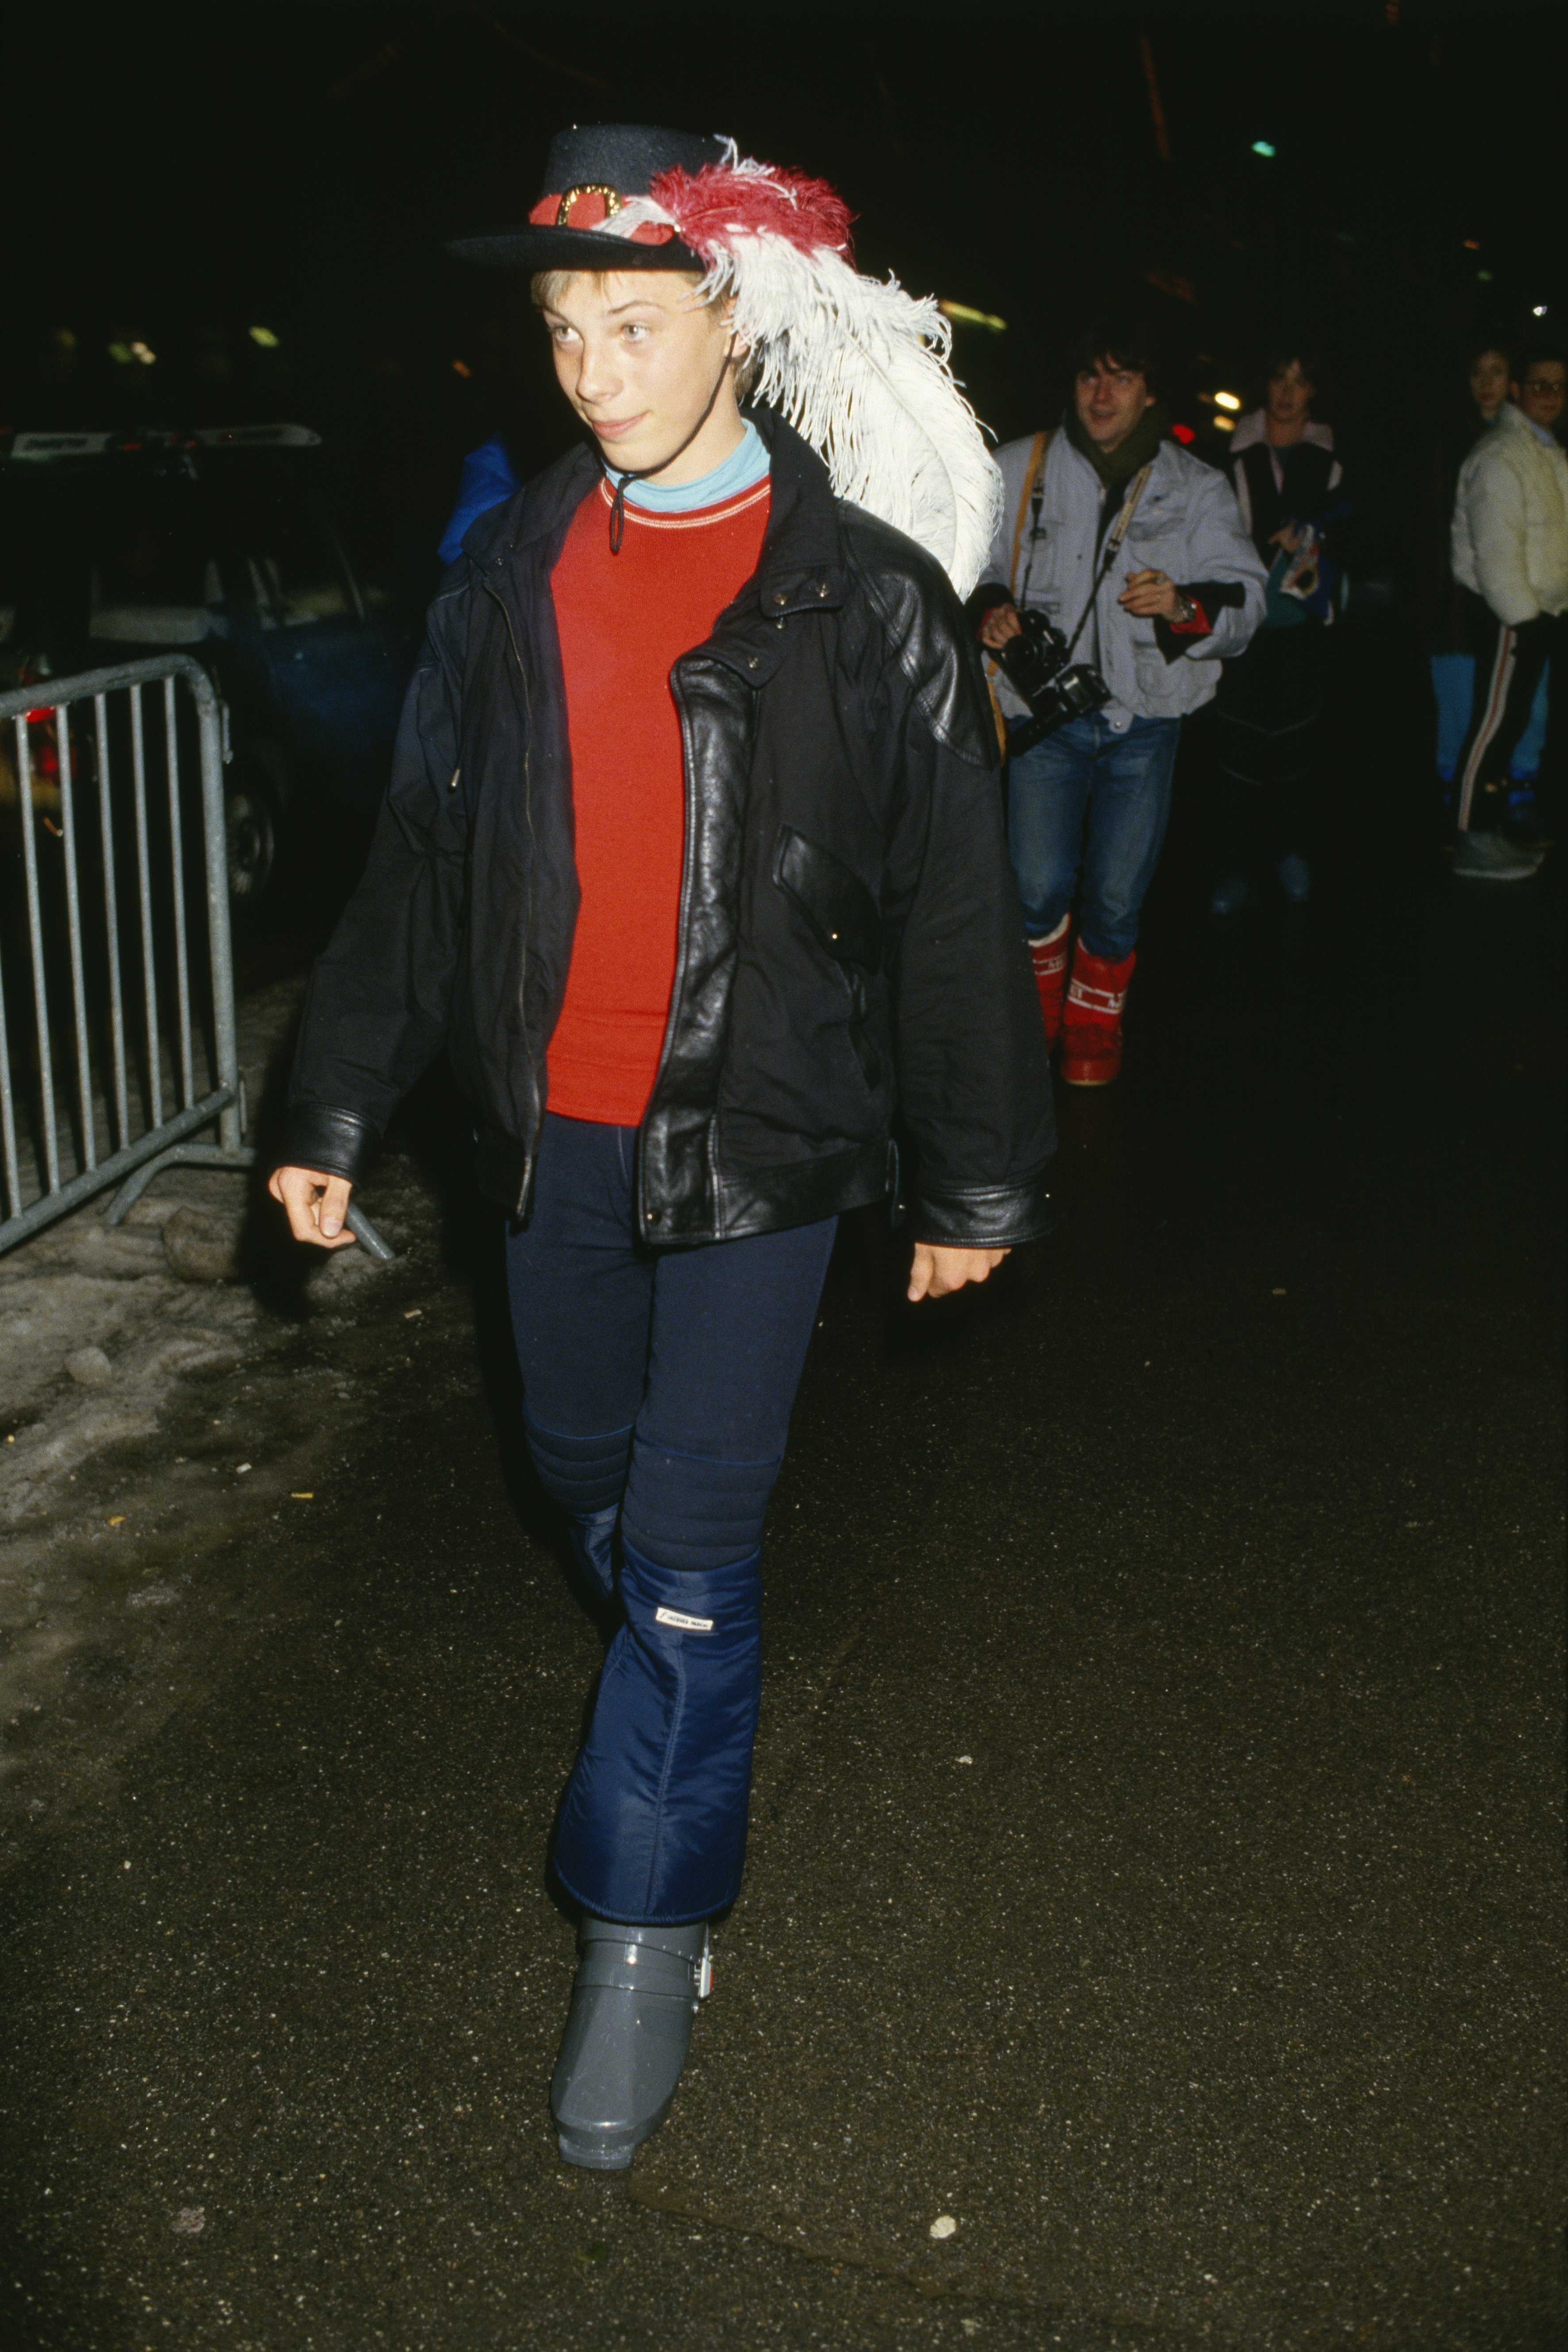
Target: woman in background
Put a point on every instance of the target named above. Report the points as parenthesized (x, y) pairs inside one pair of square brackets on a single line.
[(1289, 487)]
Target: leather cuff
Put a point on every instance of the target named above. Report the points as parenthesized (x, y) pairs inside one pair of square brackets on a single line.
[(338, 1143), (985, 1217)]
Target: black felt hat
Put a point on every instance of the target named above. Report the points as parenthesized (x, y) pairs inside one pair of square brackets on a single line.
[(590, 171)]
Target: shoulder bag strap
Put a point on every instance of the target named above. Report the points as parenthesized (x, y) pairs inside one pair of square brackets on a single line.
[(1036, 459)]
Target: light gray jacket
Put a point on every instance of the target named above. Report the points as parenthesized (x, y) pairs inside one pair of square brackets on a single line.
[(1186, 524)]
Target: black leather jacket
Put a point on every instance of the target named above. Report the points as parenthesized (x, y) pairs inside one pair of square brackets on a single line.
[(850, 955)]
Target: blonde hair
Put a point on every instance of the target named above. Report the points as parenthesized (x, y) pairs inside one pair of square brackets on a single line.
[(548, 286)]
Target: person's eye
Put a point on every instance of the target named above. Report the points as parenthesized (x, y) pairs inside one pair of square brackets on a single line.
[(634, 331)]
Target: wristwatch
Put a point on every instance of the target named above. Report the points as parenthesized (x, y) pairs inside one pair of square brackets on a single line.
[(1185, 610)]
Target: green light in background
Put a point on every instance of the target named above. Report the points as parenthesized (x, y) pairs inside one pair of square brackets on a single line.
[(265, 336), (1263, 147), (1485, 276)]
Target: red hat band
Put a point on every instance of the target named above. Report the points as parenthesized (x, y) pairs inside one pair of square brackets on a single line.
[(591, 206)]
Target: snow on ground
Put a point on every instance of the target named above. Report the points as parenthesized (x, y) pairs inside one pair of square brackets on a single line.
[(112, 1357)]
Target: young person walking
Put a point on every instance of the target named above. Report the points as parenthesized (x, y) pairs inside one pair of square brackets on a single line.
[(1113, 531), (693, 859)]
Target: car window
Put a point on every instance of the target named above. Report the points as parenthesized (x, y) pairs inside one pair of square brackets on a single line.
[(294, 573), (154, 580)]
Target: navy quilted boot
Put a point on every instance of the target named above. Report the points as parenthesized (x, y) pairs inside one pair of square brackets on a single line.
[(653, 1827)]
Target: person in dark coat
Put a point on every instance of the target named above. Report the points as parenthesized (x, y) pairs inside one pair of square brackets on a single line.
[(693, 859), (1289, 487)]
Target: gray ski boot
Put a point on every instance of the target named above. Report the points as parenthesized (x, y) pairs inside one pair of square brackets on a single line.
[(626, 2037)]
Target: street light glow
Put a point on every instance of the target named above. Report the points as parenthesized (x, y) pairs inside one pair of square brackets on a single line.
[(1539, 311), (1263, 147), (963, 316), (265, 336), (1225, 400), (1224, 424)]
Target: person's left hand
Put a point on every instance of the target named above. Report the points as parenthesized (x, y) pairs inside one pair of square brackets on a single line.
[(1151, 596), (1288, 536), (936, 1271)]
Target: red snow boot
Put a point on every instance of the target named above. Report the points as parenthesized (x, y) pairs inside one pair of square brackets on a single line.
[(1049, 958), (1091, 1031)]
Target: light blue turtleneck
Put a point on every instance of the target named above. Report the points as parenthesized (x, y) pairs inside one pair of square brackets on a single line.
[(746, 463)]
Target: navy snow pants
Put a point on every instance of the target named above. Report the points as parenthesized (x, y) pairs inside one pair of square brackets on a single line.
[(657, 1386)]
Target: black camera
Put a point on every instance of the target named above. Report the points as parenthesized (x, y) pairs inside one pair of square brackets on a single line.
[(1036, 662)]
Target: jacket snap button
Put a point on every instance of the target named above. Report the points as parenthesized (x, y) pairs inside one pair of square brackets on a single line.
[(751, 661), (822, 587), (656, 1216), (780, 596)]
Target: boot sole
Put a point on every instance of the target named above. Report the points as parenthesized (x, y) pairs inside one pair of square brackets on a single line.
[(604, 2152), (597, 2155)]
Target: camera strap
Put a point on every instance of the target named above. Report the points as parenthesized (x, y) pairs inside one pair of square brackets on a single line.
[(1033, 488), (1135, 490)]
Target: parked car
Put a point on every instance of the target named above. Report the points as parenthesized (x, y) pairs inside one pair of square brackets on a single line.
[(226, 544)]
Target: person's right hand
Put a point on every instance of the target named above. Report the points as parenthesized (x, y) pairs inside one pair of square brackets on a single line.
[(1001, 623), (317, 1205)]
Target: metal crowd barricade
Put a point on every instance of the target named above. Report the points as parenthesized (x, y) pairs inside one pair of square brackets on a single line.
[(112, 1093)]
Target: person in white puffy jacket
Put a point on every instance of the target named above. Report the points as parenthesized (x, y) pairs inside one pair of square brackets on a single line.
[(1509, 547)]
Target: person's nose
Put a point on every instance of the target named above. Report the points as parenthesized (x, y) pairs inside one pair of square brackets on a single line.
[(597, 381)]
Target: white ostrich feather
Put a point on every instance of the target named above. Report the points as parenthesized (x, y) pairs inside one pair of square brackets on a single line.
[(860, 368)]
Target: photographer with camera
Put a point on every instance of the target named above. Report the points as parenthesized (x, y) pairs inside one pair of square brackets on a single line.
[(1120, 578)]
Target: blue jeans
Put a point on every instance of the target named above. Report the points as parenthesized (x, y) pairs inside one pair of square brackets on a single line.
[(659, 1382), (1095, 797), (656, 1393)]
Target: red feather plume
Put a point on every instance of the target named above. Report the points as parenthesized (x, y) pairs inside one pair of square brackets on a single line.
[(712, 205)]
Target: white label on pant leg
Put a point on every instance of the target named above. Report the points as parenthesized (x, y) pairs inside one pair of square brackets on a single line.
[(685, 1624)]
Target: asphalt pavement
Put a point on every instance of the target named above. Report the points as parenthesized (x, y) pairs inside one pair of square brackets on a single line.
[(1156, 1855)]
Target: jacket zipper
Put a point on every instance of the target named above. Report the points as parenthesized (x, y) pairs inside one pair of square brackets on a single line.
[(681, 934), (530, 1141)]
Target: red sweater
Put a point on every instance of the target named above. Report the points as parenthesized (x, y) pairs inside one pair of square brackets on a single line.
[(624, 621)]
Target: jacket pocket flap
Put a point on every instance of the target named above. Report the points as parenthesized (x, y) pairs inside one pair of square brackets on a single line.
[(841, 911)]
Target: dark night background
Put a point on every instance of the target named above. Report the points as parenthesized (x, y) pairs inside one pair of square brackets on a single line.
[(175, 175), (1156, 1866)]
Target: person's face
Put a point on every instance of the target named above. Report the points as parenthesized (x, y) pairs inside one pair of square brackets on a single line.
[(637, 357), (1111, 401), (1488, 382), (1541, 392), (1290, 394)]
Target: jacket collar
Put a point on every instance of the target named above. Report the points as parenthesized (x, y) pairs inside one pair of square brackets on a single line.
[(1514, 420), (1254, 428), (802, 567)]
